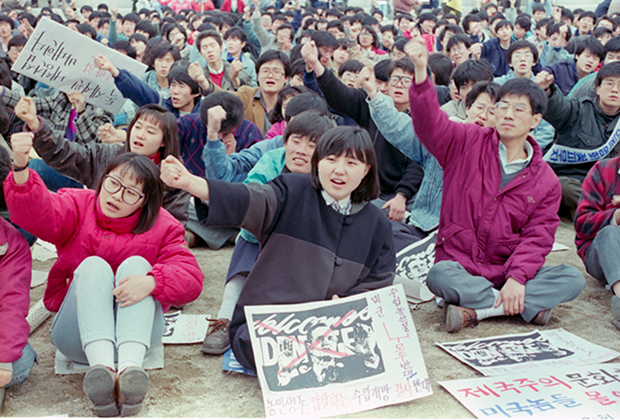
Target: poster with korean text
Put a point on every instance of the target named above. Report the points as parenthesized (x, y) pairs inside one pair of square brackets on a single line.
[(336, 357), (571, 392), (59, 57), (520, 352)]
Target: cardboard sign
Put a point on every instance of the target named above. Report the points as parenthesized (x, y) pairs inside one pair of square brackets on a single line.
[(571, 392), (184, 329), (412, 266), (339, 356), (520, 352), (64, 59)]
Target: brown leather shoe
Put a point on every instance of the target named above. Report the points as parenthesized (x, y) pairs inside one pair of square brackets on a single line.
[(192, 239), (541, 317), (458, 317), (217, 340)]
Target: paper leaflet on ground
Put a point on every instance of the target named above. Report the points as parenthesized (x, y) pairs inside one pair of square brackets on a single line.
[(570, 392), (185, 329), (412, 266), (64, 366), (558, 247), (43, 251), (516, 353), (38, 278), (339, 356), (59, 57), (230, 364)]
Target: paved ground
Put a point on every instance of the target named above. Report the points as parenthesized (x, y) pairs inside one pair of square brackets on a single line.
[(193, 385)]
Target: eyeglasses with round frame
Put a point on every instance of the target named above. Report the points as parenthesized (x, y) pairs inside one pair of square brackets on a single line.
[(520, 110), (404, 80), (129, 195), (276, 73)]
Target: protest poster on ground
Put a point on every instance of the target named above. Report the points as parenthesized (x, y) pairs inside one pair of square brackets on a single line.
[(230, 364), (570, 392), (339, 356), (412, 266), (64, 59), (515, 353), (184, 329)]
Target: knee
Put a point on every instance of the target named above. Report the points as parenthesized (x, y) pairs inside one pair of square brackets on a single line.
[(574, 282), (135, 265), (90, 265), (608, 233), (437, 278)]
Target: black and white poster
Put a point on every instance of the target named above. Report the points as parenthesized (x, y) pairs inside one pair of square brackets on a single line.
[(339, 356)]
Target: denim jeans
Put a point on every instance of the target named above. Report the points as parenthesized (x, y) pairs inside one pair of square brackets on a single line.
[(601, 258), (23, 366), (89, 312), (53, 179)]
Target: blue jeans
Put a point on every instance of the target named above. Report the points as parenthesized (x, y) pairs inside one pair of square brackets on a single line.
[(601, 260), (89, 312), (53, 179), (23, 366)]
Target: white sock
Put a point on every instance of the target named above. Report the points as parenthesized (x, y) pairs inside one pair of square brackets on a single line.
[(100, 352), (232, 290), (491, 312), (130, 353)]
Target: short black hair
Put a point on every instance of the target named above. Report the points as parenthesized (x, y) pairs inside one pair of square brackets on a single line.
[(608, 70), (287, 92), (389, 28), (146, 26), (7, 19), (371, 31), (369, 20), (502, 23), (524, 22), (441, 66), (456, 30), (231, 104), (472, 71), (517, 45), (102, 6), (158, 48), (335, 24), (381, 70), (304, 102), (94, 15), (126, 47), (179, 73), (614, 24), (593, 45), (602, 30), (566, 13), (333, 12), (353, 66), (85, 28), (427, 16), (298, 67), (138, 38), (537, 7), (588, 14), (101, 22), (353, 142), (271, 55), (131, 17), (208, 34), (468, 19), (16, 41), (290, 28), (458, 39), (86, 7), (236, 32), (554, 28), (405, 64), (521, 86), (613, 45), (325, 39), (490, 88), (310, 123)]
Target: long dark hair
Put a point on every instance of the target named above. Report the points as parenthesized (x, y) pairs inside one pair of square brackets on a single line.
[(354, 142), (145, 172)]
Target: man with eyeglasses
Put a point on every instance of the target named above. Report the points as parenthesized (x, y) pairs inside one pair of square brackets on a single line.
[(499, 207), (273, 72), (588, 130), (522, 56), (399, 176)]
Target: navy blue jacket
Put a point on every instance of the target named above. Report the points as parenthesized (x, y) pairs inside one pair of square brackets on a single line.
[(565, 74), (493, 52)]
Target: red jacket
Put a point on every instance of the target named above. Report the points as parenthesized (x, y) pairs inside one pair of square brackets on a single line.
[(15, 275), (494, 234), (227, 8), (596, 209), (72, 220)]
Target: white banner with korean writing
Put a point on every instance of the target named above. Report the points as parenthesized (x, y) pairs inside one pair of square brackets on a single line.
[(59, 57), (184, 329), (520, 352), (340, 356), (571, 392)]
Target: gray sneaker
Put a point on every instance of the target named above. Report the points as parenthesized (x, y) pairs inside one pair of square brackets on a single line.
[(217, 340)]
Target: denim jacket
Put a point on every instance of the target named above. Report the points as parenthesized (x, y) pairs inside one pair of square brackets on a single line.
[(397, 129)]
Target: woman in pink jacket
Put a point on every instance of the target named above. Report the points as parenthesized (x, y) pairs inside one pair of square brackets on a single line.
[(122, 262)]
